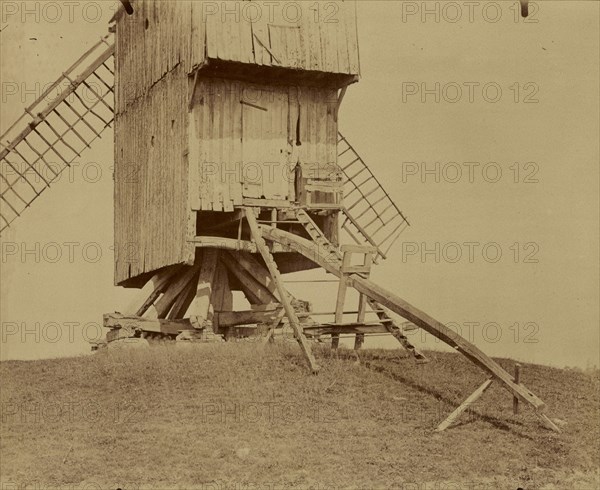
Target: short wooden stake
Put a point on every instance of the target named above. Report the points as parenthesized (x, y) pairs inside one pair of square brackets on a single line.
[(464, 405), (274, 217), (339, 309), (359, 341), (517, 379), (547, 422)]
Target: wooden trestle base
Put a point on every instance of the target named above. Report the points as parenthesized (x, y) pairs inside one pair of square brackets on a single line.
[(196, 303)]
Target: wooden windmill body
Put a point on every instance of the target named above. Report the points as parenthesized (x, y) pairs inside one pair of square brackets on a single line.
[(230, 171), (231, 122)]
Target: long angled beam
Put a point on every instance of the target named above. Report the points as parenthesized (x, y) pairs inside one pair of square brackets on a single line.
[(184, 300), (174, 289), (406, 310), (260, 274), (285, 300), (256, 269), (254, 290), (470, 400), (160, 281)]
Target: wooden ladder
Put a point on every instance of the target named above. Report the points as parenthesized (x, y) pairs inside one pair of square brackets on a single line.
[(335, 256)]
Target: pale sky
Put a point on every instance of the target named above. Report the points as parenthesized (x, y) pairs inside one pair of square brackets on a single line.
[(537, 303)]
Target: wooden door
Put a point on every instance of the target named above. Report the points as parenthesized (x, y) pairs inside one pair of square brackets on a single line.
[(265, 143)]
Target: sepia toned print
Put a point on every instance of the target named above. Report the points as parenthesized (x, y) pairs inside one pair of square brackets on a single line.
[(339, 244)]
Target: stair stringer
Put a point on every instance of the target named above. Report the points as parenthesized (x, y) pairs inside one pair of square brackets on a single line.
[(406, 310)]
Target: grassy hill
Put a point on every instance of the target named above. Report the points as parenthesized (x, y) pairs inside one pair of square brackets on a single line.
[(249, 416)]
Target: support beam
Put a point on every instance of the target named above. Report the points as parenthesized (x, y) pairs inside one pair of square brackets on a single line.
[(184, 300), (347, 329), (131, 324), (257, 270), (270, 337), (359, 340), (406, 310), (283, 295), (201, 305), (517, 380), (225, 319), (339, 309), (472, 398), (222, 297), (223, 243), (256, 292), (160, 281), (174, 289)]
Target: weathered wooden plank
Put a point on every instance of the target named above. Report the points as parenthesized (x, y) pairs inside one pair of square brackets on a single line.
[(133, 323), (407, 311), (352, 37), (256, 292), (174, 289), (233, 318), (289, 310), (344, 329), (235, 184), (259, 272), (260, 39), (470, 400), (201, 307), (184, 300), (160, 281)]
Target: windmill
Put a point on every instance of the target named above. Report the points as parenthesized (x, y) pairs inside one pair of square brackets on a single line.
[(230, 172)]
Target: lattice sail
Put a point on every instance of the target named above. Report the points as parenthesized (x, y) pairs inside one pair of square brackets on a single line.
[(54, 130), (370, 214)]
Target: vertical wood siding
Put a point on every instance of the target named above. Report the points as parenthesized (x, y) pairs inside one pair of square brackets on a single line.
[(297, 35), (151, 210), (241, 139), (246, 139)]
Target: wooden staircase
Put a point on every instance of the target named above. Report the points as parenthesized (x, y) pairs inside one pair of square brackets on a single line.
[(334, 256)]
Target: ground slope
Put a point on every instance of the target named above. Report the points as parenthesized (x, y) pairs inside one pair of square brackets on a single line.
[(250, 416)]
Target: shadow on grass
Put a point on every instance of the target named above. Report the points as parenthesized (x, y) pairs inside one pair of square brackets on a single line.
[(507, 426)]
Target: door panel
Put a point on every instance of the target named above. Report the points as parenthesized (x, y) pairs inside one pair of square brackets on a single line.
[(264, 143)]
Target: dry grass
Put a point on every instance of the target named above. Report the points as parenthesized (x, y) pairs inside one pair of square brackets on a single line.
[(249, 416)]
